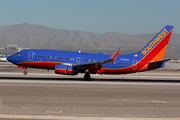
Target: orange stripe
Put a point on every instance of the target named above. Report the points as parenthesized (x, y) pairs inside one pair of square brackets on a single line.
[(160, 55)]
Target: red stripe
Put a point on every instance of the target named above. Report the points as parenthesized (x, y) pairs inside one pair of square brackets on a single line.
[(41, 64)]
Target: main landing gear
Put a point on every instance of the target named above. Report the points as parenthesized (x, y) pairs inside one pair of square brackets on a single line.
[(87, 76)]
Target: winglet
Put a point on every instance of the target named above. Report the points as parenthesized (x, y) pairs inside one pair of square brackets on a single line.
[(113, 57)]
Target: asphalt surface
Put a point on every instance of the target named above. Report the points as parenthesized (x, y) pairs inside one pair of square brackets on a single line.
[(44, 95)]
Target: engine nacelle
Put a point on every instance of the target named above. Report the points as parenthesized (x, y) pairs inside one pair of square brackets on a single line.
[(65, 69)]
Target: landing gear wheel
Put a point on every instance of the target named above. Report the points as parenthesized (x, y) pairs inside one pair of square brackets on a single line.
[(87, 76), (25, 72)]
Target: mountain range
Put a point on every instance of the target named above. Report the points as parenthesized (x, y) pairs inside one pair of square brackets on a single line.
[(41, 37)]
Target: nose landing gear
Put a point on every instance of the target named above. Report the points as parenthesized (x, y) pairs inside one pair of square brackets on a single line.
[(25, 72)]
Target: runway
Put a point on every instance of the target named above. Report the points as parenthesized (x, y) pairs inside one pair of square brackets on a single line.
[(153, 95)]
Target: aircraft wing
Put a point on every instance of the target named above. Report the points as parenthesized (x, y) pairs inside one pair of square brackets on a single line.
[(99, 63)]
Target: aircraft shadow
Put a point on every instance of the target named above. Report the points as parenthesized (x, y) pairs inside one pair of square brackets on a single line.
[(92, 79)]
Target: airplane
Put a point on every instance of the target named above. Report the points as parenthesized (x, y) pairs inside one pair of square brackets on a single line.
[(3, 59), (72, 63)]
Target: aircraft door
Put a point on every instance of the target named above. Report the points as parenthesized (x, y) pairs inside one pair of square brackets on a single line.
[(78, 59), (134, 67), (30, 55)]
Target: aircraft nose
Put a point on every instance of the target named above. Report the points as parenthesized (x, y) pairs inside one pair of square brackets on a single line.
[(9, 58)]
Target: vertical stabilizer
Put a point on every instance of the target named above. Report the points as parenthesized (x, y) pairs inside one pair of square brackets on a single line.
[(155, 49)]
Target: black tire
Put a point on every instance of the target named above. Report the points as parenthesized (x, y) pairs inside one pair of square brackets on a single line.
[(25, 72), (87, 76)]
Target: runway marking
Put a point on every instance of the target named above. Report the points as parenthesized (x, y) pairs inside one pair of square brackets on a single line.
[(78, 118), (153, 101), (128, 99), (54, 111)]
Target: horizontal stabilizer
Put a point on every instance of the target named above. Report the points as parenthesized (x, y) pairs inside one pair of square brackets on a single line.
[(159, 61), (156, 64)]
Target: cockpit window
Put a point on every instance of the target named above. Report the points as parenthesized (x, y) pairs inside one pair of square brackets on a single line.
[(18, 54)]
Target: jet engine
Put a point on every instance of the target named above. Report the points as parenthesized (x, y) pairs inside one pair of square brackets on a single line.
[(65, 69)]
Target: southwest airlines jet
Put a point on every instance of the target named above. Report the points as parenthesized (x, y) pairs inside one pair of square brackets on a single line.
[(72, 63)]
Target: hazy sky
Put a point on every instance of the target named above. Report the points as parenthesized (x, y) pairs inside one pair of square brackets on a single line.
[(97, 16)]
